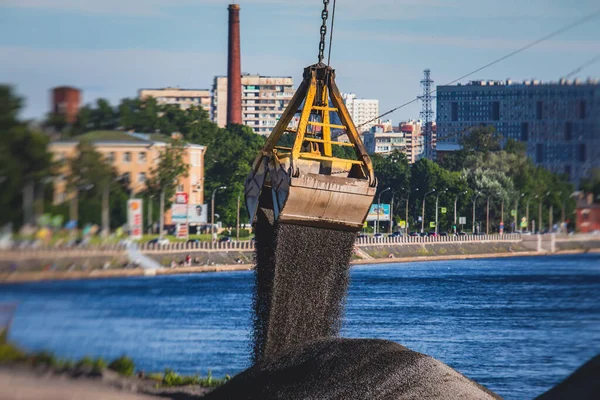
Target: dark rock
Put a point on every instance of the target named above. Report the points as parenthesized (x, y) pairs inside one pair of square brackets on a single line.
[(583, 384)]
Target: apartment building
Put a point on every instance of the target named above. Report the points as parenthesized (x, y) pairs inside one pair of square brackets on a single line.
[(185, 98), (362, 111), (378, 141), (133, 155), (264, 99), (413, 139), (559, 122)]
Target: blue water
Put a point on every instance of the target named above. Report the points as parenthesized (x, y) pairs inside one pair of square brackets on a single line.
[(518, 326)]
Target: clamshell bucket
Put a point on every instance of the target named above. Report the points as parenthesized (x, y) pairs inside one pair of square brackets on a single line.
[(308, 185)]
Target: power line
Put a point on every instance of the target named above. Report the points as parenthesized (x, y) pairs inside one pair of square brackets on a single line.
[(582, 66), (331, 34), (519, 50)]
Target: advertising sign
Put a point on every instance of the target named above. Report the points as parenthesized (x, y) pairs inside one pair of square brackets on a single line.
[(462, 220), (134, 218), (182, 231), (179, 212), (513, 213), (181, 198), (383, 210), (197, 213), (432, 224), (444, 210), (403, 224)]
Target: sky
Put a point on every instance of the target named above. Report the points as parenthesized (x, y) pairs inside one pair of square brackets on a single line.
[(112, 48)]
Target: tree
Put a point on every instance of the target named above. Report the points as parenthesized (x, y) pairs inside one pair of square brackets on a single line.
[(24, 161), (482, 139), (163, 178)]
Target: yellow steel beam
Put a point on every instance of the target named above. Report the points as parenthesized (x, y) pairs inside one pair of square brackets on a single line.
[(311, 156), (327, 125), (321, 108), (322, 141), (310, 100)]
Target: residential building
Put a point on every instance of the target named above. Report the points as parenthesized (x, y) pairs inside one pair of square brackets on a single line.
[(185, 98), (133, 155), (588, 214), (264, 99), (559, 122), (364, 112), (378, 141), (66, 101), (413, 139)]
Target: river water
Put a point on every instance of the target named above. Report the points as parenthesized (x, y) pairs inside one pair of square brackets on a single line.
[(518, 325)]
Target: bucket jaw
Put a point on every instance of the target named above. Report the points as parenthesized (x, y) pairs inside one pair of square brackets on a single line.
[(308, 184)]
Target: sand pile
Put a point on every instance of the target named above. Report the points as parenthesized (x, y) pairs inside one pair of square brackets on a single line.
[(351, 369)]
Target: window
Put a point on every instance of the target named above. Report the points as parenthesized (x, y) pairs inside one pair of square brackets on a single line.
[(196, 159), (496, 111), (568, 131), (524, 131), (142, 157), (142, 177), (581, 153), (568, 171), (454, 111), (110, 157), (179, 188), (581, 109), (539, 153), (127, 157), (539, 110)]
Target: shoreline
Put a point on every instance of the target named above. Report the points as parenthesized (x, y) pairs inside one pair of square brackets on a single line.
[(41, 276)]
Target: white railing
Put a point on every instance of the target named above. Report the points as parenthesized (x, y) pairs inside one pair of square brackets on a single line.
[(388, 241)]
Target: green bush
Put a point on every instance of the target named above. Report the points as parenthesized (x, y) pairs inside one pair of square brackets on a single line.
[(10, 353), (123, 365), (44, 358), (99, 365), (85, 362)]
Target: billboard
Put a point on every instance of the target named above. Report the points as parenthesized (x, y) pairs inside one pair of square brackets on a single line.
[(383, 210), (134, 218), (194, 214)]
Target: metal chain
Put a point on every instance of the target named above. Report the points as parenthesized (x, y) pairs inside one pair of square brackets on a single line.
[(324, 16)]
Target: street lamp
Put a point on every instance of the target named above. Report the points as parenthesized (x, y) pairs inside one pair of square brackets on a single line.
[(437, 197), (379, 208), (392, 209), (407, 203), (212, 217), (74, 207), (455, 204), (423, 210), (519, 196), (540, 224), (474, 202)]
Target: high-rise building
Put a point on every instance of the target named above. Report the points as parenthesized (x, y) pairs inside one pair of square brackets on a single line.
[(559, 122), (413, 139), (380, 141), (66, 101), (264, 99), (182, 97), (362, 111)]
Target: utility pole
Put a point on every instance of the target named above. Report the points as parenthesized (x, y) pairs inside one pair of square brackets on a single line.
[(28, 195), (474, 202), (212, 218), (437, 208), (487, 217), (150, 214), (407, 204), (423, 211), (427, 114), (161, 222), (377, 227), (238, 218), (550, 218), (527, 212), (105, 208)]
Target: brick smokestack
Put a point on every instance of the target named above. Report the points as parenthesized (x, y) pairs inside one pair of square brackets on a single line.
[(234, 68)]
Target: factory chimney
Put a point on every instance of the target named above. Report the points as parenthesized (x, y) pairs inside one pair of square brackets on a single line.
[(234, 68)]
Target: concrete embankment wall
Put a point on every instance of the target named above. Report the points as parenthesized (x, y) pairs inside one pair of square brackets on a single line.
[(82, 261)]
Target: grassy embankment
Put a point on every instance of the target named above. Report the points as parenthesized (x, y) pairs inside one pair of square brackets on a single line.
[(11, 354)]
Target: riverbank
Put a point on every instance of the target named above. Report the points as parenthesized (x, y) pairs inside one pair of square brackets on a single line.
[(38, 276)]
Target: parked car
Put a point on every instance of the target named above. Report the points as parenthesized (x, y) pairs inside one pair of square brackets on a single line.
[(362, 236), (461, 234), (432, 234), (378, 236), (444, 234), (161, 241), (414, 234), (423, 234), (193, 241), (395, 235), (225, 239)]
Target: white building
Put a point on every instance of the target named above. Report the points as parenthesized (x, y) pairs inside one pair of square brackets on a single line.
[(264, 99), (182, 97), (362, 111), (377, 141)]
